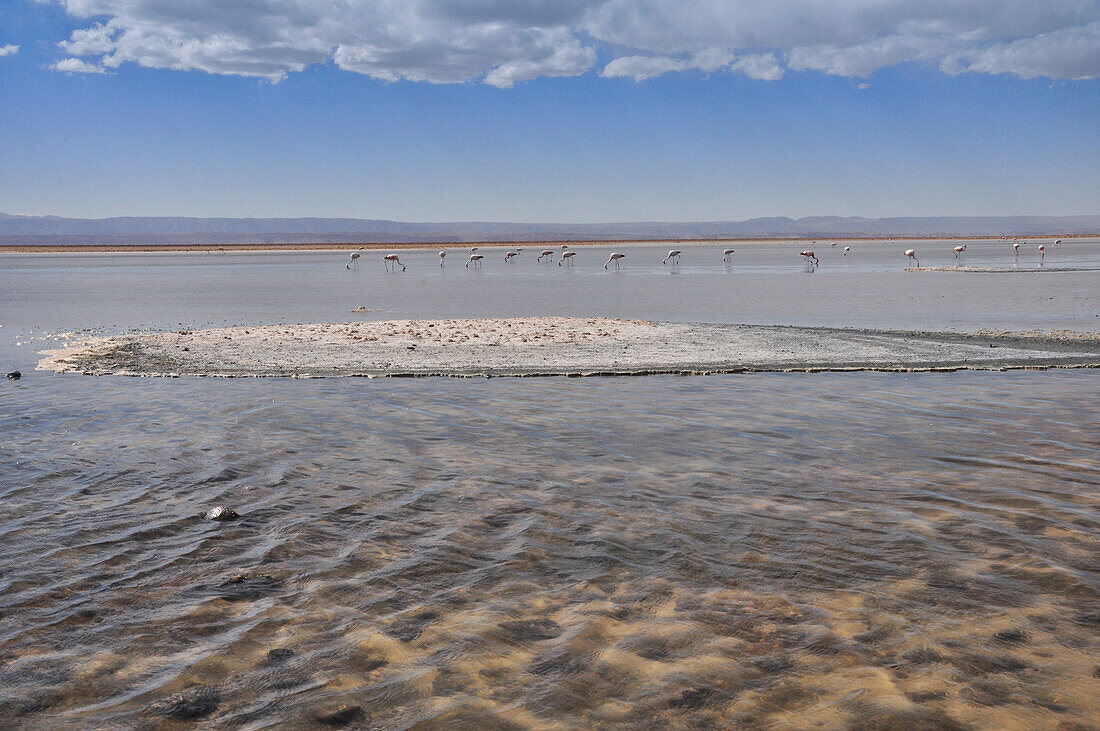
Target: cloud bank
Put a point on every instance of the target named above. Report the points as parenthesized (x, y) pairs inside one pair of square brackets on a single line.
[(502, 42)]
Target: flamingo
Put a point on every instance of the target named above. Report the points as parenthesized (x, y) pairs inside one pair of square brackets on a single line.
[(545, 253), (473, 249), (958, 250), (389, 259), (1057, 241), (567, 256), (833, 244), (846, 250), (913, 255), (354, 259), (615, 256), (674, 254), (1042, 253), (564, 247), (512, 253), (442, 256), (475, 259), (809, 256), (1015, 249), (726, 254)]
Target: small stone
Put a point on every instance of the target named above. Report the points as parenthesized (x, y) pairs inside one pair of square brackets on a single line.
[(14, 376), (191, 703), (279, 654), (341, 716), (221, 514), (532, 629), (1011, 636)]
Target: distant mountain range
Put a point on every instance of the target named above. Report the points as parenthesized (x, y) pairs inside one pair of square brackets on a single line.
[(53, 230)]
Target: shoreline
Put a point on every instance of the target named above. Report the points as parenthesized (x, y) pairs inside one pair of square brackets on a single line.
[(434, 245), (555, 346)]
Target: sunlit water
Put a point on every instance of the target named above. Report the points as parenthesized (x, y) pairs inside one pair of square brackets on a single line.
[(768, 549)]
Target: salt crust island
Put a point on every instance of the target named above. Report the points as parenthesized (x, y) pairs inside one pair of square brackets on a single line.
[(555, 346)]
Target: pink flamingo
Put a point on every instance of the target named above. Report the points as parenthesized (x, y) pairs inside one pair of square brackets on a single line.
[(567, 256), (674, 254), (958, 250), (1042, 253), (475, 259), (913, 255), (512, 253), (615, 256), (846, 250), (389, 259), (726, 254), (442, 256), (809, 256), (545, 253), (1015, 249), (354, 259)]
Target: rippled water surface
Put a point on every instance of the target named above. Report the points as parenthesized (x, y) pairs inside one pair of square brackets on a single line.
[(787, 550)]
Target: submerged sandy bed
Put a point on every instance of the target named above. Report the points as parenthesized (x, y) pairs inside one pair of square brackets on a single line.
[(552, 346)]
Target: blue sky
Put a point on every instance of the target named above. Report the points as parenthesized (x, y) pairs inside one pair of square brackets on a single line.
[(578, 110)]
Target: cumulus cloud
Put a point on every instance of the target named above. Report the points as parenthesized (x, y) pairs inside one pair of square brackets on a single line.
[(77, 66), (504, 42), (8, 50)]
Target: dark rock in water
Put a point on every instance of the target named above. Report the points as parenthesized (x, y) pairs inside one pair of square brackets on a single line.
[(922, 656), (279, 654), (557, 664), (14, 376), (221, 513), (692, 698), (1011, 636), (772, 664), (341, 716), (525, 630), (411, 629), (1089, 619), (242, 587), (191, 703)]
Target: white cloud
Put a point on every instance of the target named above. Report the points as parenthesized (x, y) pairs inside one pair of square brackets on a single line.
[(763, 66), (503, 42), (8, 50), (77, 66)]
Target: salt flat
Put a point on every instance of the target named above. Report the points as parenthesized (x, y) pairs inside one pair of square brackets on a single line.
[(545, 346)]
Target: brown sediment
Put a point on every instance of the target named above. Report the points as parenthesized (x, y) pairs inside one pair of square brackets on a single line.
[(409, 245), (546, 346)]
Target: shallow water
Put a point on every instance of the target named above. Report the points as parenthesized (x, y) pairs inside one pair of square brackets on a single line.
[(758, 549)]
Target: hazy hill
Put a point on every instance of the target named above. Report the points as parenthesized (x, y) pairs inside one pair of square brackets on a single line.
[(29, 230)]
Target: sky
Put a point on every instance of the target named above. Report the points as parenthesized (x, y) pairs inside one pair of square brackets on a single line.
[(549, 110)]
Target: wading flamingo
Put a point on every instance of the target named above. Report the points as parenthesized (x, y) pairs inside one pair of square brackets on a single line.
[(473, 249), (475, 259), (389, 259), (354, 259), (1015, 249), (545, 253), (1057, 241), (846, 250), (674, 254), (958, 250), (913, 255), (1042, 253), (567, 256), (512, 254), (615, 256), (809, 256), (726, 254), (442, 256)]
